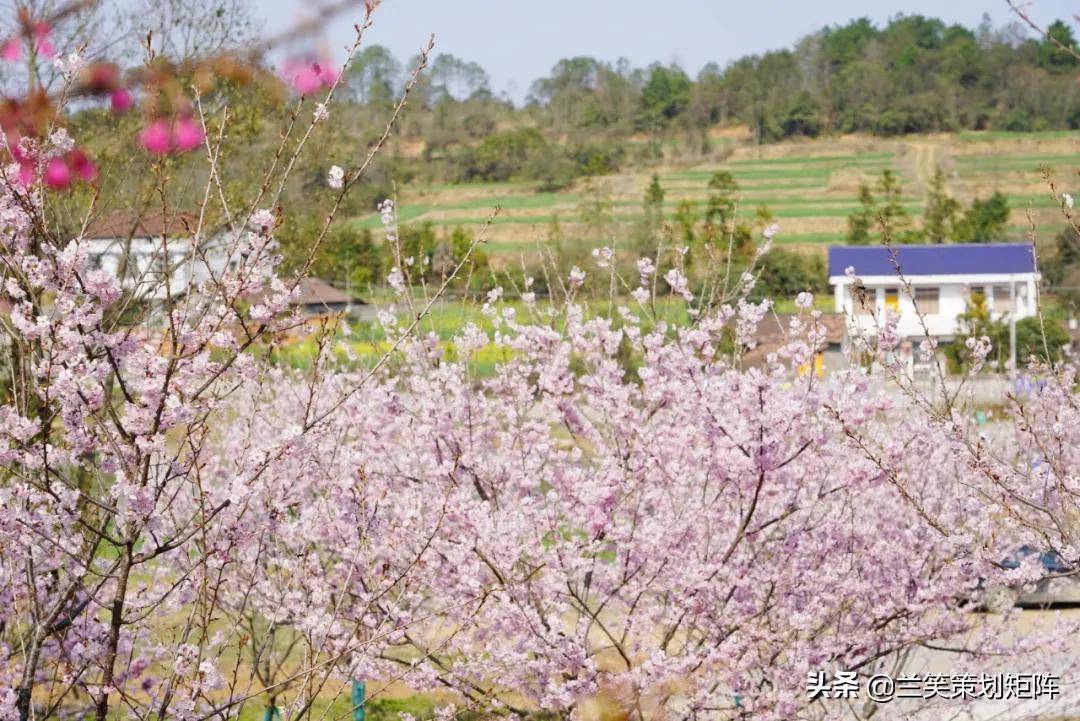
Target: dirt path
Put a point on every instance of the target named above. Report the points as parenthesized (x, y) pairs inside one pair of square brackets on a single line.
[(925, 161)]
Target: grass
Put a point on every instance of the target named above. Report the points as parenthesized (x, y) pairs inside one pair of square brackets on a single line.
[(509, 202), (997, 159), (405, 214), (759, 174), (810, 187), (789, 184), (862, 158), (421, 707), (366, 343), (973, 136)]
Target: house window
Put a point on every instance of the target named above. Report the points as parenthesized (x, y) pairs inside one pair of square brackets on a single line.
[(892, 300), (927, 300), (1003, 302)]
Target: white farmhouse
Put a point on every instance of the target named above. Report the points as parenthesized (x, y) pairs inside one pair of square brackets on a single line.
[(152, 254), (943, 280)]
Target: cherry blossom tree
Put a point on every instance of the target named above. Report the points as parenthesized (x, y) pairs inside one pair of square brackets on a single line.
[(114, 529), (626, 506)]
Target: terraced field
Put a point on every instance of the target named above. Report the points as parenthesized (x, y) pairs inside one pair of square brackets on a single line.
[(810, 187)]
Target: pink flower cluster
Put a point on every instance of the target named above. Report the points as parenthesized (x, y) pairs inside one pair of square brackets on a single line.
[(687, 531), (58, 167), (684, 530), (12, 49), (105, 78), (161, 137), (622, 505), (308, 76)]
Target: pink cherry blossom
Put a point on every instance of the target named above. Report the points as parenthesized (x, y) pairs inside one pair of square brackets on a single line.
[(307, 76), (187, 135), (120, 100), (327, 73), (27, 173), (57, 174), (621, 504), (83, 166), (43, 40), (11, 49), (156, 137)]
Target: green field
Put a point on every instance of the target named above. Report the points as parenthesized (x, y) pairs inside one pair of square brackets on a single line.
[(809, 187)]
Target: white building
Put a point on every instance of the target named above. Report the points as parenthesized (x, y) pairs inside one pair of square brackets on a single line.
[(943, 280), (152, 254), (153, 257)]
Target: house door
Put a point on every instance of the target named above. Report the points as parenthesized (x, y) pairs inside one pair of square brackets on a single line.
[(892, 300)]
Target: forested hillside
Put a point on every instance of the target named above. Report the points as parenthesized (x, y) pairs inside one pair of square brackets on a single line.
[(914, 75), (953, 134)]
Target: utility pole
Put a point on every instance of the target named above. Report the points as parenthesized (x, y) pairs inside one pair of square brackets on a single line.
[(1012, 323)]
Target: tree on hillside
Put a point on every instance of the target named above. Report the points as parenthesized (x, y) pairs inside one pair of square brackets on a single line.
[(653, 207), (350, 259), (862, 220), (719, 216), (664, 97), (882, 216), (1051, 55), (460, 243), (654, 198), (452, 78), (786, 273), (940, 212), (803, 117), (720, 207), (891, 212), (708, 105), (550, 165), (585, 94), (596, 210), (502, 155), (570, 76), (686, 220), (912, 74), (374, 77), (1063, 272), (985, 221)]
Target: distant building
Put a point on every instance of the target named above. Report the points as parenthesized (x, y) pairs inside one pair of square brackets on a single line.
[(153, 256), (774, 332), (152, 253), (944, 278), (319, 298)]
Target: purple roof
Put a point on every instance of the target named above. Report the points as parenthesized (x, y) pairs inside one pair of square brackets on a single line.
[(959, 259)]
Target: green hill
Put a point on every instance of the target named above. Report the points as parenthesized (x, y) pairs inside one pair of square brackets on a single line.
[(809, 186)]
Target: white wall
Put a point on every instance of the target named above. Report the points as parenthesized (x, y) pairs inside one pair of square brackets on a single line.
[(953, 294), (145, 258)]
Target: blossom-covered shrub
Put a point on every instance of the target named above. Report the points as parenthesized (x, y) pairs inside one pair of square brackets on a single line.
[(696, 536), (622, 507)]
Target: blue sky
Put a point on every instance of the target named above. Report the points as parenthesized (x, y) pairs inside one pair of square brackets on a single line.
[(517, 41)]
